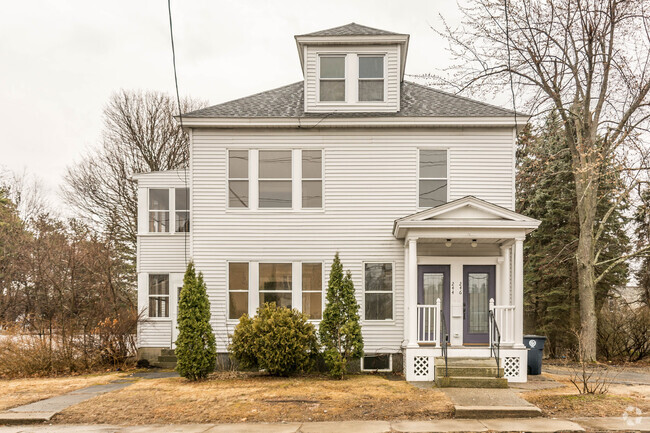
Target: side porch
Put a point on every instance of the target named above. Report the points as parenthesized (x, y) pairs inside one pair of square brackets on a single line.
[(463, 288)]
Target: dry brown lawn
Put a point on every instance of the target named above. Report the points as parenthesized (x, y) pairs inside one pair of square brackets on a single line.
[(241, 397), (565, 402), (16, 392)]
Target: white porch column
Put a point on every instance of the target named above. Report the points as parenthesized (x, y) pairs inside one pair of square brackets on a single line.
[(503, 294), (412, 288), (518, 292), (407, 302)]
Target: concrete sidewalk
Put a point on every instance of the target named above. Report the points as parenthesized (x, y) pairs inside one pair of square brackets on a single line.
[(537, 425)]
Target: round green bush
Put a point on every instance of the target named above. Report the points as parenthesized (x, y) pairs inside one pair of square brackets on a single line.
[(278, 340)]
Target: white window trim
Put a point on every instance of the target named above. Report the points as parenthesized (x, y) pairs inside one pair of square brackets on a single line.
[(418, 178), (345, 78), (228, 291), (363, 288), (253, 183), (228, 179), (385, 72), (168, 296), (379, 370)]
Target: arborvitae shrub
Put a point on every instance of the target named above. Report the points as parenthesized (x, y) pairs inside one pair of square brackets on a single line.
[(340, 331), (195, 347), (279, 340)]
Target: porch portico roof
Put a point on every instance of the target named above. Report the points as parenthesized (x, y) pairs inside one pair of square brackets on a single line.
[(467, 217)]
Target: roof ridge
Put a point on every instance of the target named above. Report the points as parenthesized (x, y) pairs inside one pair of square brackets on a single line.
[(245, 97), (475, 101), (352, 24)]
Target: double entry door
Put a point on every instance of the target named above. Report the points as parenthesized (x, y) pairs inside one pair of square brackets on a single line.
[(464, 303)]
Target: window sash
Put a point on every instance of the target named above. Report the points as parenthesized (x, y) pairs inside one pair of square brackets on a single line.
[(332, 79), (238, 197), (442, 181), (372, 297), (158, 296)]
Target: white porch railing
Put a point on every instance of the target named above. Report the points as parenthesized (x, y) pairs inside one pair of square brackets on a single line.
[(429, 323), (504, 315)]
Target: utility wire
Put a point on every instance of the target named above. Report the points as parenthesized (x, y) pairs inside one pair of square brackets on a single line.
[(180, 117)]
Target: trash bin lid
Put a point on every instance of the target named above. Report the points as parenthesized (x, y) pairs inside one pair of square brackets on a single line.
[(534, 341)]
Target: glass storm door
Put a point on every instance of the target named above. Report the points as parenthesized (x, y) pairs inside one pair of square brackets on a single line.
[(479, 287), (433, 283)]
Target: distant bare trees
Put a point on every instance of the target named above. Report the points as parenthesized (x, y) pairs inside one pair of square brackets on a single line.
[(140, 135), (590, 61)]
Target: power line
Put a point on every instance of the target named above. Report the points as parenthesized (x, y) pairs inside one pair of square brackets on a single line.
[(180, 117)]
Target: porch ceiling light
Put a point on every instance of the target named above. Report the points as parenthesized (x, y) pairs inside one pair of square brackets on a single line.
[(448, 243), (474, 243)]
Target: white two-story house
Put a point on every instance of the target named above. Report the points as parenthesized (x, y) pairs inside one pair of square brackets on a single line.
[(414, 187)]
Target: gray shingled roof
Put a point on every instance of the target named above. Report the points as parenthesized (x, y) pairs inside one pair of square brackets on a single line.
[(352, 29), (288, 102)]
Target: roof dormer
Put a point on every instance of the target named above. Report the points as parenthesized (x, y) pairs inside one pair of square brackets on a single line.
[(352, 68)]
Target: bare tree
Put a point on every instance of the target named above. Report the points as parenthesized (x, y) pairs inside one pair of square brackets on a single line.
[(587, 59), (140, 135)]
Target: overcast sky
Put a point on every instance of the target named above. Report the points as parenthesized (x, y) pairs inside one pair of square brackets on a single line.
[(60, 61)]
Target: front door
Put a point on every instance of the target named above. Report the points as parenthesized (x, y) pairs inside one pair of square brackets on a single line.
[(433, 284), (479, 284)]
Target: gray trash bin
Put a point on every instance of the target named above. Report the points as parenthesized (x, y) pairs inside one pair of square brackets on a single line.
[(535, 345)]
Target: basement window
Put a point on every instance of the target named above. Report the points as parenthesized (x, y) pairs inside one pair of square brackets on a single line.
[(378, 363)]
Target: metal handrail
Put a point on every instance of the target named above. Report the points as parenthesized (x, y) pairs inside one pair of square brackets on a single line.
[(495, 340), (444, 338)]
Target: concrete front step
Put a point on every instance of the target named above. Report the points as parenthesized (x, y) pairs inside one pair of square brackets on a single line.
[(167, 352), (471, 382), (166, 365), (456, 371)]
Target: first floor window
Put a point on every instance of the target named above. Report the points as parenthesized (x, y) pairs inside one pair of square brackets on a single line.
[(275, 284), (378, 291), (312, 290), (237, 290), (158, 295), (159, 210)]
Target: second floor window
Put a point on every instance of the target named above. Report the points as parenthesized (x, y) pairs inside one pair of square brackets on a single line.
[(238, 178), (371, 78), (332, 78), (182, 203), (433, 177), (312, 179), (275, 179), (158, 210)]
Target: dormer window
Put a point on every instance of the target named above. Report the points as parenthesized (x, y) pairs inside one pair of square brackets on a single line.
[(371, 78), (332, 78)]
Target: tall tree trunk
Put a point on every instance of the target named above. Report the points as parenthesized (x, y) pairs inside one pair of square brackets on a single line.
[(587, 193)]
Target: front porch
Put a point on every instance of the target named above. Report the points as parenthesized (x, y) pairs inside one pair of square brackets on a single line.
[(463, 289)]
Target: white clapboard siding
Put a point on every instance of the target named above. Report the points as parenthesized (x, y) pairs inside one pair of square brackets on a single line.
[(370, 179), (155, 333), (391, 77)]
